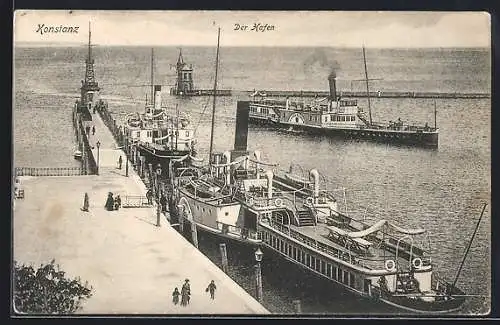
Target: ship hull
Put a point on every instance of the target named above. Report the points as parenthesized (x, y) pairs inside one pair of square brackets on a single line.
[(422, 139), (162, 157), (349, 276)]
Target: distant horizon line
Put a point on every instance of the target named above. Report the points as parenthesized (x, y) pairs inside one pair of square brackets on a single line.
[(66, 44)]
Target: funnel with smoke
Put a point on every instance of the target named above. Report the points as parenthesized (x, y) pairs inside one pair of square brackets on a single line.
[(320, 58)]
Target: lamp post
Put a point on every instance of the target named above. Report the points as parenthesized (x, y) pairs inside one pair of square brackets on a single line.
[(158, 204), (126, 156), (258, 274), (98, 144)]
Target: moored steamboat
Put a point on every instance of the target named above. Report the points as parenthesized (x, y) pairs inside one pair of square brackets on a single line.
[(157, 135), (243, 198)]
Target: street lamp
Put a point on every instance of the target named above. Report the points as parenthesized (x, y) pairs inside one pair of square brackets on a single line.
[(98, 144), (126, 156), (158, 204), (258, 273)]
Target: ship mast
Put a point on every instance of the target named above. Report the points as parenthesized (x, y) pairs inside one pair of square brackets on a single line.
[(215, 96), (467, 250), (152, 75), (435, 115), (367, 87)]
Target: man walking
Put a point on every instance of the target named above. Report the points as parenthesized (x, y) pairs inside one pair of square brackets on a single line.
[(120, 162), (93, 129), (185, 292), (211, 288)]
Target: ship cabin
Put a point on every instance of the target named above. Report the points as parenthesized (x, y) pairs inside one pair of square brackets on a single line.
[(208, 200), (342, 113)]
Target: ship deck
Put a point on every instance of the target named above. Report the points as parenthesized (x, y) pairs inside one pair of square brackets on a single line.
[(373, 259)]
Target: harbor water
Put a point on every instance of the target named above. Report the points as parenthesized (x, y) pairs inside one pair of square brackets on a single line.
[(441, 190)]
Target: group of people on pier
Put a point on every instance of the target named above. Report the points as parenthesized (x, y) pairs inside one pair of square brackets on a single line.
[(113, 203), (185, 293)]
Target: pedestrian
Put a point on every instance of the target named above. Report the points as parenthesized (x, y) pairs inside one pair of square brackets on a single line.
[(149, 196), (185, 292), (163, 203), (120, 162), (109, 202), (211, 288), (175, 296), (93, 126), (87, 129), (85, 203), (117, 202)]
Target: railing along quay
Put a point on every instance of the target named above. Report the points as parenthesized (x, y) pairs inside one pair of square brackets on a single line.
[(49, 171)]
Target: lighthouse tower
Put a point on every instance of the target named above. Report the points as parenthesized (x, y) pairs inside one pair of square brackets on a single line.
[(90, 87), (184, 85)]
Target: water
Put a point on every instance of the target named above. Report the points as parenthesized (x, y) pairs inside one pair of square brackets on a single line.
[(441, 190)]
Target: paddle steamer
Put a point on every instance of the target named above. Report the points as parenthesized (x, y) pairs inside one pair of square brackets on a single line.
[(337, 116)]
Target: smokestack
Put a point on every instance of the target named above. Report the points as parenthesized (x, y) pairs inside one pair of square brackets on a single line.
[(157, 99), (241, 133), (333, 88)]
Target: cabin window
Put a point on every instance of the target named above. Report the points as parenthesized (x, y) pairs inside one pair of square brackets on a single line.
[(317, 267), (335, 273), (329, 270), (281, 245), (289, 252), (295, 253), (296, 120), (351, 279), (323, 267), (310, 117), (353, 118), (306, 259), (203, 209), (345, 277), (226, 213), (301, 256)]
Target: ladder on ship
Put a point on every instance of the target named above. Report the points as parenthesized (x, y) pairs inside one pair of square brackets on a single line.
[(305, 217)]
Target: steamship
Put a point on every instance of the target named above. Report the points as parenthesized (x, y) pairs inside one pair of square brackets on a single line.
[(156, 135), (242, 198), (336, 116), (159, 136)]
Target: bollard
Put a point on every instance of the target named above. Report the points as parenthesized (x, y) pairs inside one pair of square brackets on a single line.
[(194, 234), (297, 307), (223, 253), (258, 282)]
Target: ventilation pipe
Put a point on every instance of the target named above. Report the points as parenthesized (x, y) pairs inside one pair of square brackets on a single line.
[(257, 155), (315, 174), (157, 99), (227, 169), (269, 175), (216, 158)]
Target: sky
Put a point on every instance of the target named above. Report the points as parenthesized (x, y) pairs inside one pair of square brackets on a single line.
[(289, 28)]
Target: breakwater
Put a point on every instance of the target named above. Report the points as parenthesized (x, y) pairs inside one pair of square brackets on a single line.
[(374, 94), (319, 94), (89, 165)]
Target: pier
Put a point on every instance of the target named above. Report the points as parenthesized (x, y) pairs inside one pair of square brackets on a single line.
[(132, 265), (360, 94)]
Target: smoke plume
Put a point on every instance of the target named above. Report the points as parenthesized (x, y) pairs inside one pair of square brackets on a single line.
[(320, 58)]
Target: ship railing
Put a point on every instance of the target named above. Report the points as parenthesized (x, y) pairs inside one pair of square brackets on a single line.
[(49, 171), (234, 230)]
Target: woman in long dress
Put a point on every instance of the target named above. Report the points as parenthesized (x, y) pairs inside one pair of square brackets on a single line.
[(109, 202)]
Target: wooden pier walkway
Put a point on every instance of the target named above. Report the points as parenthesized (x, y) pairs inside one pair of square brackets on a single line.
[(132, 265)]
